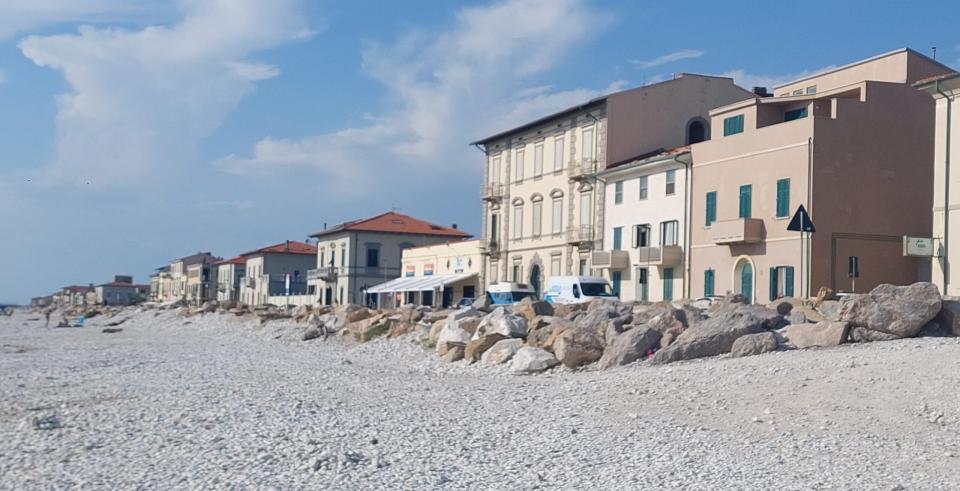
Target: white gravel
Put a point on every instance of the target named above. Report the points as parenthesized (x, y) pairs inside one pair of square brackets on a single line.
[(220, 403)]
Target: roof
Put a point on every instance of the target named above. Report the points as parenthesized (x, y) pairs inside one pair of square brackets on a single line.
[(861, 62), (288, 247), (78, 288), (200, 257), (239, 261), (394, 223), (646, 158), (580, 107), (418, 283), (120, 284)]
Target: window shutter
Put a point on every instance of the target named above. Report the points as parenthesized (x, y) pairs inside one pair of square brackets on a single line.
[(789, 280), (711, 207), (773, 284), (708, 283), (783, 198), (636, 237)]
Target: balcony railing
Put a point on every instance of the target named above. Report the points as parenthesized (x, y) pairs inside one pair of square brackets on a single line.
[(610, 259), (580, 234), (582, 168), (738, 231), (489, 246), (666, 256), (326, 273), (492, 192)]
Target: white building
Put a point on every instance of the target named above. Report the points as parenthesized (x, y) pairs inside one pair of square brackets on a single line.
[(277, 272), (229, 274), (644, 236)]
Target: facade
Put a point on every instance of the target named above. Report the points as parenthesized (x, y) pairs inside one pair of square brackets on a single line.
[(355, 256), (41, 302), (645, 223), (201, 282), (440, 274), (121, 291), (542, 203), (857, 156), (75, 296), (230, 272), (161, 284), (946, 155), (177, 278), (266, 270)]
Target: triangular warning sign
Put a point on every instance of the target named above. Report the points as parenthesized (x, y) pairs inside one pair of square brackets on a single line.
[(801, 221)]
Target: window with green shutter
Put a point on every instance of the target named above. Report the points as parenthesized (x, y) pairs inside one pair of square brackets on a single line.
[(668, 283), (783, 198), (781, 282), (708, 278), (746, 200), (711, 207), (617, 238), (733, 125)]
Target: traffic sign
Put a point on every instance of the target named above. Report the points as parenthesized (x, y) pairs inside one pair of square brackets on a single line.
[(801, 221)]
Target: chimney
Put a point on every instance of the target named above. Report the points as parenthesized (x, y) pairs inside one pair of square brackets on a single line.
[(761, 92), (454, 226)]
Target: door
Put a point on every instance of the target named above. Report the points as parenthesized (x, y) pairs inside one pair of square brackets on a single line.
[(746, 281), (668, 284), (644, 279), (535, 279), (447, 297), (617, 277), (328, 296)]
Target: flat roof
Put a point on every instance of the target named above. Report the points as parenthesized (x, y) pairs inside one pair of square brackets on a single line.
[(861, 62)]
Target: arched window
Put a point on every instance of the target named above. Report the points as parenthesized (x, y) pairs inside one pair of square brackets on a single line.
[(697, 131), (517, 219), (537, 205)]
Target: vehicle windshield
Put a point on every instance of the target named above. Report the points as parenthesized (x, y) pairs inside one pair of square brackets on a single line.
[(596, 289)]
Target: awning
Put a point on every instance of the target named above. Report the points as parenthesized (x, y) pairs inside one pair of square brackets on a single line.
[(418, 283)]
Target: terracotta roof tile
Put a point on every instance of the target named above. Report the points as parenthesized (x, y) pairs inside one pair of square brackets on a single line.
[(397, 223), (239, 260), (288, 247)]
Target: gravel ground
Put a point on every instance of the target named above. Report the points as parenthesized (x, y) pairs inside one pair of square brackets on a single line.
[(214, 402)]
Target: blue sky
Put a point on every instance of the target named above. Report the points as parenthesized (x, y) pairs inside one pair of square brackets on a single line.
[(133, 132)]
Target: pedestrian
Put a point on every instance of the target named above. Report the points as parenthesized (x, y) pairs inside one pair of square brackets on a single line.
[(46, 314)]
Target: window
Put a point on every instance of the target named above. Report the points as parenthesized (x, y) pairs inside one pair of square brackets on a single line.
[(617, 238), (494, 227), (783, 198), (643, 281), (555, 265), (516, 277), (812, 89), (585, 208), (696, 132), (798, 92), (616, 277), (618, 192), (373, 257), (321, 259), (518, 221), (343, 257), (668, 233), (708, 281), (333, 257), (494, 271), (518, 168), (711, 207), (644, 188), (641, 236), (495, 171), (781, 282), (745, 200), (668, 283), (538, 160), (733, 125), (582, 270), (537, 217), (795, 114), (671, 182), (558, 154), (557, 218), (586, 144)]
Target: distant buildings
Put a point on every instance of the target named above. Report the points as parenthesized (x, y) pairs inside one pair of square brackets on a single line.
[(121, 291), (279, 270), (230, 273)]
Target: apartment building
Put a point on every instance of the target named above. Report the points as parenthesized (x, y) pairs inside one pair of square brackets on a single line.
[(945, 90), (230, 272), (275, 272), (440, 274), (121, 291), (357, 255), (201, 282), (645, 223), (854, 145), (542, 202), (177, 277), (75, 296)]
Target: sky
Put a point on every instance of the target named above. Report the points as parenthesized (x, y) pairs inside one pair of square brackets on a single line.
[(133, 132)]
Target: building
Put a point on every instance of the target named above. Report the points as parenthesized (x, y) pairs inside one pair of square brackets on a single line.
[(122, 291), (276, 272), (440, 274), (356, 255), (176, 287), (645, 223), (542, 203), (945, 90), (853, 145), (41, 302), (230, 272), (75, 296), (201, 282)]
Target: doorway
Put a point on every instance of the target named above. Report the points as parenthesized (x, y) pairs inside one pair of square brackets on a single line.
[(743, 275), (535, 279)]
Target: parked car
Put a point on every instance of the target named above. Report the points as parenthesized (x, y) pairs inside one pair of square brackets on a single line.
[(509, 293), (465, 302), (577, 289)]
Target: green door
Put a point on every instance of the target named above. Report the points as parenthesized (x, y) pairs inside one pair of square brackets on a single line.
[(746, 281)]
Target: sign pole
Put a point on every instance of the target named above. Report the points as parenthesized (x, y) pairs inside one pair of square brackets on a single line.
[(801, 223)]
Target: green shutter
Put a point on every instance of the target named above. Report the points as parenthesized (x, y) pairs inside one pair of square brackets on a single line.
[(773, 283), (668, 284), (745, 200), (733, 125), (783, 198), (708, 283), (711, 207), (789, 280)]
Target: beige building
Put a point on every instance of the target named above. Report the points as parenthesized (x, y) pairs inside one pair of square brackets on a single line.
[(853, 145), (276, 272), (355, 256), (173, 284), (75, 296), (946, 155), (121, 291), (230, 273), (201, 282), (542, 204), (440, 274)]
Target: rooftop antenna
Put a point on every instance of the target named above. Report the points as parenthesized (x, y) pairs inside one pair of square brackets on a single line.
[(934, 50)]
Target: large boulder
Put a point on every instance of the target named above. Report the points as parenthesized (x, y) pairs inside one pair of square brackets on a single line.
[(863, 335), (357, 328), (629, 346), (715, 336), (949, 316), (822, 334), (482, 303), (897, 310), (754, 344), (540, 332), (453, 335), (529, 308), (477, 347), (830, 309), (502, 322), (502, 351), (455, 353), (401, 327), (578, 346), (599, 315), (568, 310), (358, 314), (532, 360), (435, 329)]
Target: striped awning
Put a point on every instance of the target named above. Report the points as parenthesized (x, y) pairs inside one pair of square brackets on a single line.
[(419, 283)]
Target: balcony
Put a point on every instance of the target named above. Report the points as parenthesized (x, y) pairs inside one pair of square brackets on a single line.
[(582, 169), (326, 273), (249, 282), (580, 235), (610, 259), (490, 247), (492, 192), (738, 231), (665, 256)]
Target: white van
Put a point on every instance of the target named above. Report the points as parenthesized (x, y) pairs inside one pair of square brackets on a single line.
[(509, 293), (577, 289)]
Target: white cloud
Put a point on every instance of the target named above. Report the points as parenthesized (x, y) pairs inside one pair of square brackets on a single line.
[(445, 89), (748, 80), (683, 54), (21, 15), (140, 101)]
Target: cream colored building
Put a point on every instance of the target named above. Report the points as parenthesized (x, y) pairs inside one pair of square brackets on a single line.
[(440, 274), (946, 195), (230, 273), (201, 282), (858, 156), (645, 223), (174, 285), (542, 203), (276, 272), (355, 256)]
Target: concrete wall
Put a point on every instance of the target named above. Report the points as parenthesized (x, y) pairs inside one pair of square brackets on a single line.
[(952, 258), (902, 66)]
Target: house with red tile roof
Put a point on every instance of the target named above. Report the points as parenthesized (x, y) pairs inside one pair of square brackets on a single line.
[(274, 273), (121, 291), (356, 255)]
